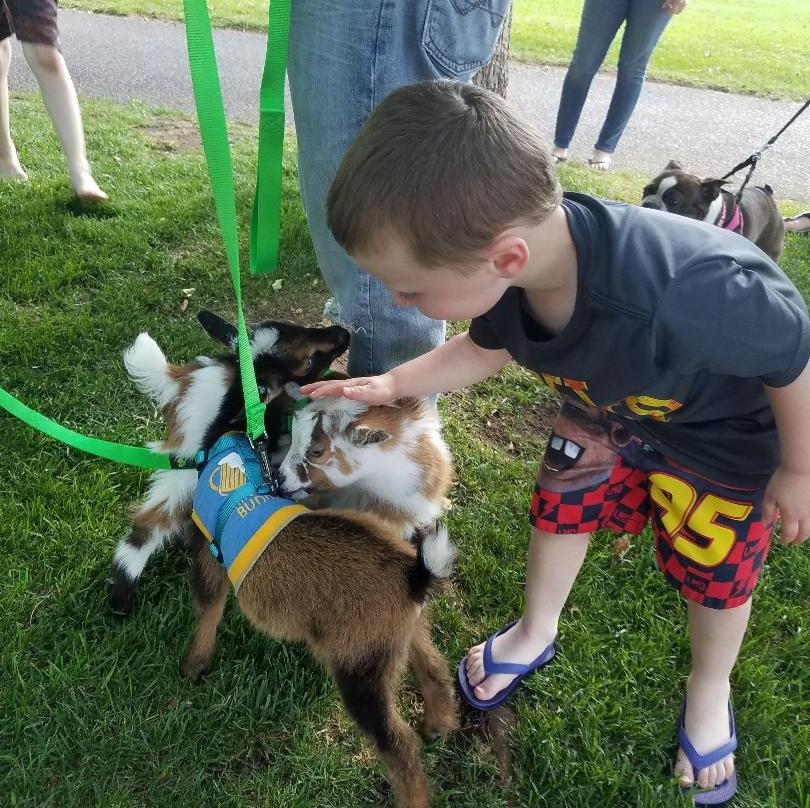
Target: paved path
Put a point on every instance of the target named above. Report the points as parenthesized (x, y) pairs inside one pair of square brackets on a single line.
[(125, 58)]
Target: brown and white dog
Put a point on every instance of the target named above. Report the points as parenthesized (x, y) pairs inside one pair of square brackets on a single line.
[(756, 216)]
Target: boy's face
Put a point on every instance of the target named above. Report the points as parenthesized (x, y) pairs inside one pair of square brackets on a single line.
[(442, 294)]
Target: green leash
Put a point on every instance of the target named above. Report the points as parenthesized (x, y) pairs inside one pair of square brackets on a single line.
[(265, 221)]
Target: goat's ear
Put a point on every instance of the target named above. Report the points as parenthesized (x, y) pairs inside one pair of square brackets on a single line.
[(365, 436), (218, 329), (710, 189), (673, 165)]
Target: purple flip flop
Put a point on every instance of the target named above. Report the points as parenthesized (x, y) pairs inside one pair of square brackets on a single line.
[(491, 666), (724, 791)]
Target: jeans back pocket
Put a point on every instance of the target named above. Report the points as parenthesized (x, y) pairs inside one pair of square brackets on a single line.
[(460, 35)]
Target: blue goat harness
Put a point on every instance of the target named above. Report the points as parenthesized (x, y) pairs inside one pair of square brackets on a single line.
[(235, 508)]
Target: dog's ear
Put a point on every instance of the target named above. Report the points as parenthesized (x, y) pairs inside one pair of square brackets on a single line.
[(673, 165), (218, 329), (710, 189)]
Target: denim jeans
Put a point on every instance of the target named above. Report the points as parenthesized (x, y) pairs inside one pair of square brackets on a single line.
[(600, 21), (345, 56)]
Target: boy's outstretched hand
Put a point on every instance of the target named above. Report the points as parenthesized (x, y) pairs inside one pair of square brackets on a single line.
[(366, 389), (788, 494)]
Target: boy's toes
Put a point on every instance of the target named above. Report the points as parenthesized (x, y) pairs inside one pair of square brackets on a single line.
[(683, 769), (475, 666), (709, 777)]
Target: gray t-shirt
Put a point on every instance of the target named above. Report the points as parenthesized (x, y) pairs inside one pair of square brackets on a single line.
[(677, 326)]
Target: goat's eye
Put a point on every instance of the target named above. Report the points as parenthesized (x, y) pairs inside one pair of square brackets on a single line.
[(316, 453), (307, 363)]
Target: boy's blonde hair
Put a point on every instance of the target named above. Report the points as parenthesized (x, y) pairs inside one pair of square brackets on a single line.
[(445, 167)]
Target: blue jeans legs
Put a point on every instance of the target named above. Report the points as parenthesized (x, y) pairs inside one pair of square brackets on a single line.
[(601, 19), (345, 56)]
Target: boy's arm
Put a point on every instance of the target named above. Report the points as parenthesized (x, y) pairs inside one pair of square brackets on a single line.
[(789, 488), (457, 363)]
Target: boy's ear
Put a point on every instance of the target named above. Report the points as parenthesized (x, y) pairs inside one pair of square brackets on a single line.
[(509, 254), (218, 329)]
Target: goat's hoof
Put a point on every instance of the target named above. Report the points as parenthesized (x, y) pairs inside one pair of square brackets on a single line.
[(120, 593), (193, 667), (439, 724)]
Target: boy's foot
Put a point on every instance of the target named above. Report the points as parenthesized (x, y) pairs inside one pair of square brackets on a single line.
[(707, 725), (86, 188), (560, 154), (10, 169), (600, 161), (514, 646)]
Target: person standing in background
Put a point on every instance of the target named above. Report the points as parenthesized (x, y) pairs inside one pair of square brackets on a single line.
[(34, 23), (645, 21), (344, 57)]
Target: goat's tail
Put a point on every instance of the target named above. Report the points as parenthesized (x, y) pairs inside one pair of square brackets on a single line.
[(148, 368), (434, 559)]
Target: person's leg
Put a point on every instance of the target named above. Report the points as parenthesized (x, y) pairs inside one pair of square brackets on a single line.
[(59, 97), (711, 543), (646, 22), (715, 636), (598, 26), (553, 564), (344, 57), (589, 480), (10, 168)]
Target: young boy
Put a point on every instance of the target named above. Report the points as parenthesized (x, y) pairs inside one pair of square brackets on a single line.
[(680, 350)]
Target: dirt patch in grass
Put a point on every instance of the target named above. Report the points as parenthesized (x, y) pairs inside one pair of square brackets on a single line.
[(183, 136), (172, 135), (515, 431)]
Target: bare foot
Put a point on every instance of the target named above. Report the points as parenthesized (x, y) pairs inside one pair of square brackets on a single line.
[(515, 645), (600, 161), (86, 188), (10, 168), (707, 726)]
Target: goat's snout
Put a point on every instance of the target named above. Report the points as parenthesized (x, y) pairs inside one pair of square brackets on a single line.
[(289, 485)]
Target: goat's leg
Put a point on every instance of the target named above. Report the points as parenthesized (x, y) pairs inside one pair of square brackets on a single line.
[(210, 586), (368, 693), (433, 680), (160, 519)]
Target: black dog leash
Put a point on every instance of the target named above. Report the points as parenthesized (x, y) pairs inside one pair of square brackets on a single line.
[(754, 158)]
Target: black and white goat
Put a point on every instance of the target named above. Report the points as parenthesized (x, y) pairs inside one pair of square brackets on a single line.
[(201, 399)]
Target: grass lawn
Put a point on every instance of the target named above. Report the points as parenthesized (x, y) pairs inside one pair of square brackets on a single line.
[(93, 711), (750, 46)]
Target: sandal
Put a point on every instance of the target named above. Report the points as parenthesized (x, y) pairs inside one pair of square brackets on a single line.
[(722, 792), (491, 666), (603, 166), (800, 223)]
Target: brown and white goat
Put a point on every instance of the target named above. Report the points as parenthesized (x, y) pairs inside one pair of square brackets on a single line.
[(344, 582), (389, 460), (198, 400)]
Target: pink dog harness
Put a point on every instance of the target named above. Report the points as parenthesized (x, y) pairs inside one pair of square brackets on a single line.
[(730, 217)]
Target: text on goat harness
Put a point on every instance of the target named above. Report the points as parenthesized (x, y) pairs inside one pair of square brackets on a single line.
[(264, 230)]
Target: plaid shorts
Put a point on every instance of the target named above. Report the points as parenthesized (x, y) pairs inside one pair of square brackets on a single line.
[(710, 539), (31, 20)]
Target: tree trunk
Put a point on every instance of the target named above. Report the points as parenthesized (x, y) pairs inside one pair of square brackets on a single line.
[(495, 74)]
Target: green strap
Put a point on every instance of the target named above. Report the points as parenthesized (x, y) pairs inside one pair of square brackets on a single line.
[(121, 453), (265, 218), (214, 133), (265, 221)]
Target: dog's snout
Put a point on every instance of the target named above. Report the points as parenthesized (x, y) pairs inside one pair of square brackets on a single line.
[(648, 203)]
